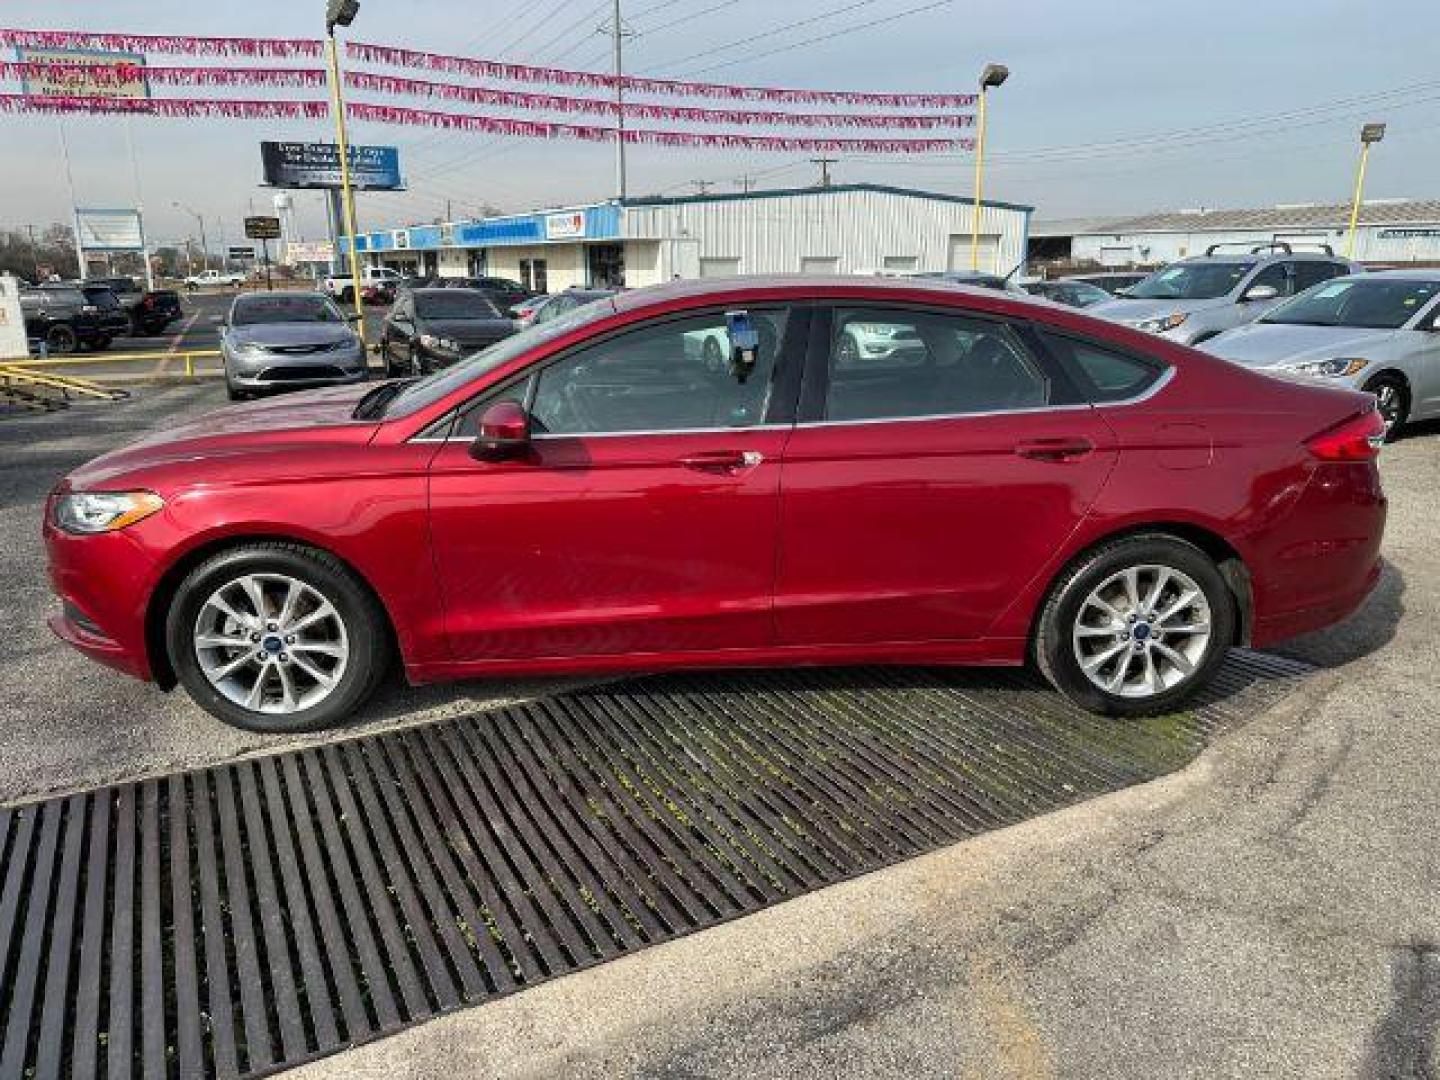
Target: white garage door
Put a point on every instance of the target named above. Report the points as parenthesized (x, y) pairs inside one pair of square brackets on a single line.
[(719, 267), (959, 255)]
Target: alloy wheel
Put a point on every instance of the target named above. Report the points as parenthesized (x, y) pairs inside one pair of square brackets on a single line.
[(271, 643), (1142, 631), (1391, 403)]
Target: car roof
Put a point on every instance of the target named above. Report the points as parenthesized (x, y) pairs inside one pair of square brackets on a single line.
[(804, 286), (1431, 273), (281, 294)]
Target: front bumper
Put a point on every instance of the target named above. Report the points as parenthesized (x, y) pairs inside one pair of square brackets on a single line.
[(266, 371)]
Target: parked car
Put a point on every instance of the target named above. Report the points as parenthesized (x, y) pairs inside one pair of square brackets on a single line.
[(539, 310), (111, 318), (342, 286), (151, 311), (428, 329), (1379, 332), (214, 279), (1078, 294), (1114, 282), (60, 319), (1192, 300), (581, 497), (379, 294), (288, 341), (502, 292)]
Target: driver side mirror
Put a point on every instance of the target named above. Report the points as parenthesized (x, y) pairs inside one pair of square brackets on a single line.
[(504, 432), (1261, 292)]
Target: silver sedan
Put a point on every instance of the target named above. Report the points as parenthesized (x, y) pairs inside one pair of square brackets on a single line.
[(1376, 332), (286, 341)]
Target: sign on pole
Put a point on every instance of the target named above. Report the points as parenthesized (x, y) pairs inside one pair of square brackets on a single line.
[(109, 230), (262, 228), (317, 165)]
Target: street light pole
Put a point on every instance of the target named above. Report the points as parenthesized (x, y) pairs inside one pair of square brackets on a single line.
[(993, 75), (342, 13), (204, 243), (1370, 134)]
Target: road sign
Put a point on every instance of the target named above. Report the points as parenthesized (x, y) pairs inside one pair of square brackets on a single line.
[(237, 252), (262, 228)]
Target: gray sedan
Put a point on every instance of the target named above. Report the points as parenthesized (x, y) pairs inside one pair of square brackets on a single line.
[(1375, 332), (287, 341)]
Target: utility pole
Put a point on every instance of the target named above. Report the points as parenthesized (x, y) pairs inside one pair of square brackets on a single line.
[(617, 33), (703, 186), (745, 183), (824, 163), (34, 251)]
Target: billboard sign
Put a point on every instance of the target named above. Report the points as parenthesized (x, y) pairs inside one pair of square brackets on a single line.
[(262, 228), (109, 230), (236, 252), (309, 251), (317, 165), (567, 226), (72, 73)]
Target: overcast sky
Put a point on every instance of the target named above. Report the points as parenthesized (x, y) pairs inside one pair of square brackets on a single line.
[(1114, 106)]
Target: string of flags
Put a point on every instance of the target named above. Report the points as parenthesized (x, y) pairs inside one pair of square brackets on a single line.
[(82, 72)]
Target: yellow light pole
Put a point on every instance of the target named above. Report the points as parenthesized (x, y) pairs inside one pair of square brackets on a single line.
[(993, 75), (1370, 134), (342, 13)]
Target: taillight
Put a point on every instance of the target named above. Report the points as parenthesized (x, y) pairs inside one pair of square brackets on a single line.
[(1356, 439)]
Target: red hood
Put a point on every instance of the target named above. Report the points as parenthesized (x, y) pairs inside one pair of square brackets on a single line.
[(210, 446)]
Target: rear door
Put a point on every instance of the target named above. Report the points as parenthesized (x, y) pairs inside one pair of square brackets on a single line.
[(939, 462)]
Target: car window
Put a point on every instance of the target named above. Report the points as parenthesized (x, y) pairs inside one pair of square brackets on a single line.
[(1370, 303), (672, 376), (1277, 276), (553, 309), (1193, 281), (1103, 374), (895, 364), (454, 304), (1309, 274)]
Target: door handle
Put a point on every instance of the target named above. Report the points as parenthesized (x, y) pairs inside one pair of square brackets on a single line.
[(1066, 448), (723, 460)]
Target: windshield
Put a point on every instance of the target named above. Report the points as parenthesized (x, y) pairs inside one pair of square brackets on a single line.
[(254, 310), (422, 392), (1373, 305), (1191, 281), (454, 304)]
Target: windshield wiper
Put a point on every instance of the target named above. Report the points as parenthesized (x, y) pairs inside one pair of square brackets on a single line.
[(373, 405)]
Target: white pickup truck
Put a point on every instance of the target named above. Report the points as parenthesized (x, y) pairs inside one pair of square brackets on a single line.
[(340, 286), (214, 279)]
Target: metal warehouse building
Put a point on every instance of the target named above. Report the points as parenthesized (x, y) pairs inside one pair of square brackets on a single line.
[(1389, 231), (844, 229)]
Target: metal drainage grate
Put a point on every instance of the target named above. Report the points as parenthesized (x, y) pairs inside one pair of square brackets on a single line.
[(240, 919)]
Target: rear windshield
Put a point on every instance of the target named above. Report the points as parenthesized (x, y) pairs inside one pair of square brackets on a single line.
[(454, 304), (284, 309), (1192, 281), (1373, 305), (101, 297)]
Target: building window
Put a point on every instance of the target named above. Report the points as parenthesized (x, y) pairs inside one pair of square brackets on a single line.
[(533, 275), (606, 265)]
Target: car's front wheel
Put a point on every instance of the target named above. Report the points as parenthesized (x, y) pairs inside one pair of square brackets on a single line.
[(277, 637), (62, 339), (1392, 399), (1136, 627)]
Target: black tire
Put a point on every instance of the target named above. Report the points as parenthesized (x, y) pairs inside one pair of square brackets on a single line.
[(62, 339), (236, 394), (1392, 398), (1054, 646), (365, 626)]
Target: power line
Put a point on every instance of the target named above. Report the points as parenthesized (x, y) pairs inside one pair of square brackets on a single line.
[(762, 35)]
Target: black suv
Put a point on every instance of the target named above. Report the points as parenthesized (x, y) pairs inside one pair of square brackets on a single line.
[(151, 311), (62, 319)]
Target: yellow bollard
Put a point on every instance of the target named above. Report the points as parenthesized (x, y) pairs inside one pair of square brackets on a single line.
[(189, 365)]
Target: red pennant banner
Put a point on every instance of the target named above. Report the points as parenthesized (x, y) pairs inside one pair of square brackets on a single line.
[(234, 109), (518, 99), (161, 43), (538, 129), (126, 74), (493, 69)]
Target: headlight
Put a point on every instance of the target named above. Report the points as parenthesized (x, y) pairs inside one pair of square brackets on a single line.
[(104, 511), (1338, 368), (1162, 324), (440, 344), (249, 348)]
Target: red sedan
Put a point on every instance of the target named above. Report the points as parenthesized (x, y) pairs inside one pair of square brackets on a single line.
[(746, 472)]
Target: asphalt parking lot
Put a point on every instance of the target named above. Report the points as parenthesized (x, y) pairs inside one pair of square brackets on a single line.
[(1268, 911)]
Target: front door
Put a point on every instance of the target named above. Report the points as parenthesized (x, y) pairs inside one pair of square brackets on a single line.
[(938, 465), (644, 518)]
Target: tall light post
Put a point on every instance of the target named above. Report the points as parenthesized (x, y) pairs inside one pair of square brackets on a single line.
[(1370, 134), (342, 13), (993, 75), (204, 244)]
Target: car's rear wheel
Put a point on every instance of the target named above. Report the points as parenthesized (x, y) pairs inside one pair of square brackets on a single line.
[(1136, 627), (277, 637), (1392, 399), (62, 339)]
